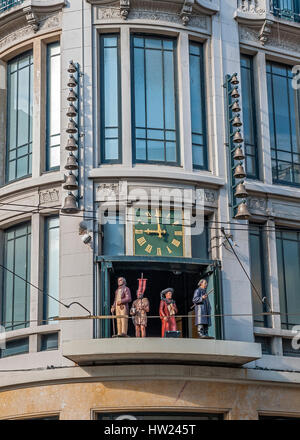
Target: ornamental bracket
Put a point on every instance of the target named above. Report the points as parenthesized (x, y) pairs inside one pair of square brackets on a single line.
[(124, 8), (186, 11), (265, 31), (31, 18)]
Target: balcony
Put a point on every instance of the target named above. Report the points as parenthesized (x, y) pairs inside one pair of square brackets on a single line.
[(286, 9), (7, 4), (161, 350)]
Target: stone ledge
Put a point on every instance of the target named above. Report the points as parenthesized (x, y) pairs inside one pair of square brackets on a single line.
[(124, 350)]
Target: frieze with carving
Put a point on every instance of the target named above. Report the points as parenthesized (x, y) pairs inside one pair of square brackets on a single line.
[(257, 204), (49, 195)]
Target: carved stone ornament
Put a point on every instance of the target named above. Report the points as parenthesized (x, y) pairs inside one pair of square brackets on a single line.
[(265, 31), (108, 191), (257, 204), (186, 11), (31, 18), (49, 195), (124, 8)]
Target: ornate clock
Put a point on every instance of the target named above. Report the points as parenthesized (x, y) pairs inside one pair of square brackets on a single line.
[(158, 233)]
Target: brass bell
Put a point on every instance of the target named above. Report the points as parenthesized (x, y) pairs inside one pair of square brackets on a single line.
[(71, 162), (234, 80), (235, 107), (70, 205), (72, 67), (239, 172), (71, 112), (238, 154), (235, 94), (242, 212), (237, 138), (72, 96), (236, 121), (72, 81), (240, 191), (71, 144), (72, 127), (71, 182)]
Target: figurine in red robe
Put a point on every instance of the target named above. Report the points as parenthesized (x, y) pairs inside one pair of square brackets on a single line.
[(167, 311)]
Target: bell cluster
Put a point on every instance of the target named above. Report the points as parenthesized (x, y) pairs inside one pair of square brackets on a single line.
[(237, 157), (71, 179)]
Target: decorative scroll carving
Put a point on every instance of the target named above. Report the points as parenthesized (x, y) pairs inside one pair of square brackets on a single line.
[(257, 204), (107, 191), (31, 18), (252, 6), (49, 195), (210, 196)]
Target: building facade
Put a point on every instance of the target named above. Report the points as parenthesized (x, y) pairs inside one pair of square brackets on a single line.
[(106, 107)]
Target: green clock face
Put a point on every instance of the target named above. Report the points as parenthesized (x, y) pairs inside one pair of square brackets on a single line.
[(158, 233)]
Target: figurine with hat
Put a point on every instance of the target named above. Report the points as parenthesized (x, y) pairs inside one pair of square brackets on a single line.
[(167, 311)]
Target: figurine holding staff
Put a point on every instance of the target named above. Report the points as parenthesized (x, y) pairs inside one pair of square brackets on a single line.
[(139, 309)]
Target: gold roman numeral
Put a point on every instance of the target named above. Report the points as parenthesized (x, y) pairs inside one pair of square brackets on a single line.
[(158, 252), (176, 242), (148, 249), (169, 250), (141, 241), (138, 231), (178, 233)]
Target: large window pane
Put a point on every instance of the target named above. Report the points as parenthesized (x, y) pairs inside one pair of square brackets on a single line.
[(249, 116), (16, 291), (257, 263), (197, 84), (284, 124), (155, 135), (110, 100), (53, 105), (19, 119), (51, 307), (113, 229), (288, 260)]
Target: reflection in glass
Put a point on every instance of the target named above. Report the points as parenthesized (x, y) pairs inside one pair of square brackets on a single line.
[(284, 124), (197, 85), (53, 105), (51, 307), (154, 100), (19, 120), (16, 291)]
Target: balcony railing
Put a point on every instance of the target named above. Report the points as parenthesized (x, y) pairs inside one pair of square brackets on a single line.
[(7, 4), (286, 9)]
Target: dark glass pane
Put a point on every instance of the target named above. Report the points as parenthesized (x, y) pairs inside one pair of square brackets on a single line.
[(20, 101), (111, 119), (19, 346), (200, 244), (197, 96), (257, 274), (113, 236), (49, 342), (51, 306)]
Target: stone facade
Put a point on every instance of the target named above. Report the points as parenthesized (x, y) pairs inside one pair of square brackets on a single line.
[(266, 386)]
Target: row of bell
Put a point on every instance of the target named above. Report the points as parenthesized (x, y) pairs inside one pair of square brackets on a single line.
[(71, 184)]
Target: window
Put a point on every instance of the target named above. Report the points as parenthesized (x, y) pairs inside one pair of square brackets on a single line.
[(154, 116), (113, 229), (197, 85), (110, 100), (257, 260), (284, 124), (53, 106), (249, 117), (51, 307), (19, 117), (16, 291), (288, 9), (200, 243), (49, 341), (288, 258), (18, 346)]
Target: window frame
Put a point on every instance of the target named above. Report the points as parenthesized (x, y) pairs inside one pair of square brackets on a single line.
[(47, 132), (204, 106), (7, 181), (254, 127), (177, 163), (272, 114), (102, 159)]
